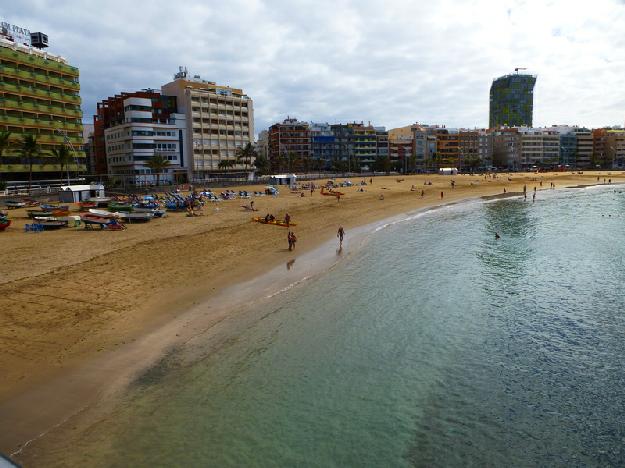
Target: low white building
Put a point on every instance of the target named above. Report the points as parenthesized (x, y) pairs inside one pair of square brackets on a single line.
[(448, 171), (130, 145), (78, 193), (283, 179)]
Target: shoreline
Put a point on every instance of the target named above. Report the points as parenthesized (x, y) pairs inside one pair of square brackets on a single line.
[(149, 339)]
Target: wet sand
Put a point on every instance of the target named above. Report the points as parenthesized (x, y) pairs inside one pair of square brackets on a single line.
[(82, 313)]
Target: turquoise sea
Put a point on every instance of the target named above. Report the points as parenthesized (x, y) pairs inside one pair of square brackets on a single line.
[(432, 345)]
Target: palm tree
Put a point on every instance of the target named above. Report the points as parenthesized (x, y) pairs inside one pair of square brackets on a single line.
[(158, 163), (63, 157), (225, 164), (30, 151), (246, 153), (4, 143)]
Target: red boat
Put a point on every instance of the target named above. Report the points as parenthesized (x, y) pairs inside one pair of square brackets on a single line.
[(4, 224)]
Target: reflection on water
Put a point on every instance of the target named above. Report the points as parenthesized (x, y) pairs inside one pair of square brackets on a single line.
[(435, 346)]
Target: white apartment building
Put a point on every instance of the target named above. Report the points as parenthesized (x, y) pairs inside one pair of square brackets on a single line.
[(130, 145), (220, 120), (539, 146)]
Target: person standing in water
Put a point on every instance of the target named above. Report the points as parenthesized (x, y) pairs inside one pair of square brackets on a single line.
[(340, 234)]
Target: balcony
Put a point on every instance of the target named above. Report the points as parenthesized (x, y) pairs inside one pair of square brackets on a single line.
[(34, 60)]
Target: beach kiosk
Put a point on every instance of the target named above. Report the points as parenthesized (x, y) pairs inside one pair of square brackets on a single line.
[(283, 179), (78, 193), (448, 171)]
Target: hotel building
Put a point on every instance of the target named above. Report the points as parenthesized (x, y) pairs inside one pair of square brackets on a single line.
[(220, 120), (39, 95)]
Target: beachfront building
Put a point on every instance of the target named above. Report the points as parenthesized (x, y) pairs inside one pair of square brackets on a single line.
[(568, 145), (485, 148), (615, 148), (220, 120), (117, 110), (512, 101), (468, 149), (39, 96), (401, 147), (506, 148), (424, 146), (583, 150), (322, 146), (132, 144), (289, 146), (359, 145), (447, 148), (540, 147)]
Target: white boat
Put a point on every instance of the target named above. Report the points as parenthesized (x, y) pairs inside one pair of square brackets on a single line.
[(103, 213)]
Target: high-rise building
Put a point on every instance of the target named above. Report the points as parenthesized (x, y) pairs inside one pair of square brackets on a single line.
[(512, 101), (39, 96), (220, 120)]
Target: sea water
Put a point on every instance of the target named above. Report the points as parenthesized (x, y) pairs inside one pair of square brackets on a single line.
[(436, 344)]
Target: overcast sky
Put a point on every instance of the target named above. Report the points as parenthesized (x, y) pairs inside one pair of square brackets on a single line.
[(389, 62)]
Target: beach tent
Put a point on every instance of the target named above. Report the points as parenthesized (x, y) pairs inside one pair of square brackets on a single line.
[(78, 193), (283, 179), (448, 171)]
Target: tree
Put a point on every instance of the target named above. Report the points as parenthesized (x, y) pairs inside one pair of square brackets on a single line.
[(63, 157), (246, 153), (157, 164), (30, 151), (472, 161), (262, 164), (4, 143), (225, 164)]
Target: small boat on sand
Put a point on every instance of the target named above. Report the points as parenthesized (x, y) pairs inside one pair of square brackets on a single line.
[(103, 213), (14, 204), (51, 224), (136, 217)]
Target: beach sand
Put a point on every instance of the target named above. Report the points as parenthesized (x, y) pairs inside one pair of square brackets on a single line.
[(71, 297)]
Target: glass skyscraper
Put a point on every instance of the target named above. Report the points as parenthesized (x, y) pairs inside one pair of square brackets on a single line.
[(512, 101)]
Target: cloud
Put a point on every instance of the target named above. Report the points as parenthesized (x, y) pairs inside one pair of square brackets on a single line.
[(391, 63)]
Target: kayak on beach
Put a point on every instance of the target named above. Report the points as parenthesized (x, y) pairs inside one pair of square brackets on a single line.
[(275, 222)]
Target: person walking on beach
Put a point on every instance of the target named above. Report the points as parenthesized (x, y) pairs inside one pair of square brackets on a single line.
[(422, 193), (442, 195), (534, 197), (287, 219), (340, 234), (292, 240)]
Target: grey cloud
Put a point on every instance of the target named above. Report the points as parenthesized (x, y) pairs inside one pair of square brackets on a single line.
[(393, 63)]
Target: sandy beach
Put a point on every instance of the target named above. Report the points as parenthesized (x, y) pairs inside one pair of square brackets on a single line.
[(71, 297)]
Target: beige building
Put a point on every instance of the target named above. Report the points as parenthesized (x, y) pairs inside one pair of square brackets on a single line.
[(220, 119)]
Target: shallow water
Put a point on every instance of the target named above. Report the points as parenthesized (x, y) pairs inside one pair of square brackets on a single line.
[(435, 345)]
